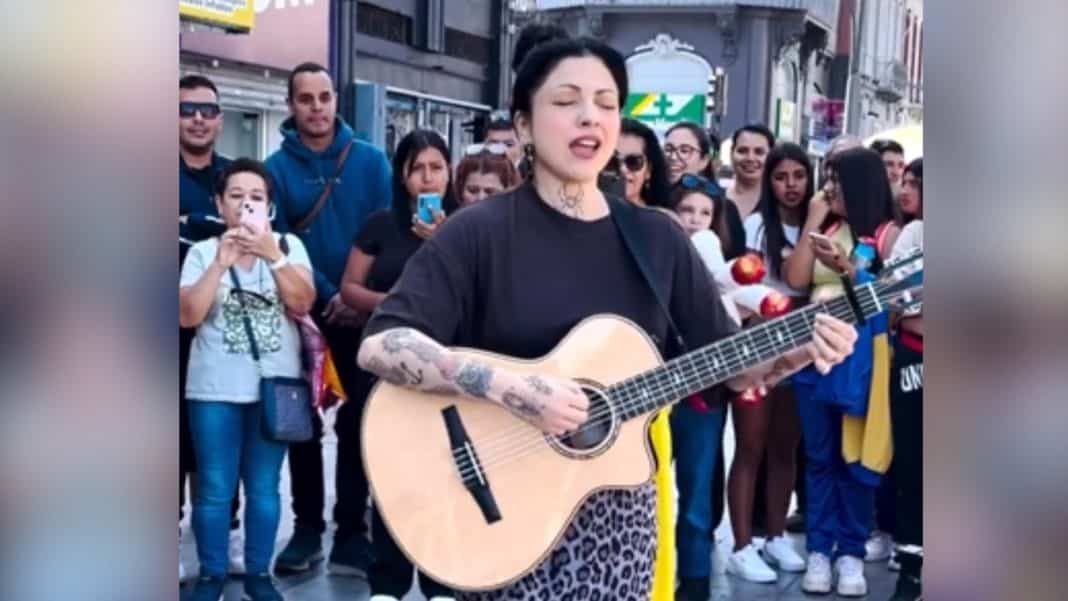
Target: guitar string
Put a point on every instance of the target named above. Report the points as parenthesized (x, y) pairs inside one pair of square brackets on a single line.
[(505, 437), (492, 457)]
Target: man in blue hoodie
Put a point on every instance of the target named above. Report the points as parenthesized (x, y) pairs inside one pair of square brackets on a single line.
[(326, 183)]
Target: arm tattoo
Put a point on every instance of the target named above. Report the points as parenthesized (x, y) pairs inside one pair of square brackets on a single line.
[(474, 380), (399, 340), (539, 385), (522, 407), (400, 376)]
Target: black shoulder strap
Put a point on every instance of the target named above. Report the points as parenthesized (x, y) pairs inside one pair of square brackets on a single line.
[(625, 217)]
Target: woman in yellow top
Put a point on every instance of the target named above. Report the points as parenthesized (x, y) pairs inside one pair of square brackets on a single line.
[(856, 206)]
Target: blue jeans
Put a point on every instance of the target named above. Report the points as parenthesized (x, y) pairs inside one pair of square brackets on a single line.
[(695, 442), (228, 444), (839, 508)]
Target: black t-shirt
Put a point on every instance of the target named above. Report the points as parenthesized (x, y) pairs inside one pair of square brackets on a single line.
[(513, 276), (391, 246)]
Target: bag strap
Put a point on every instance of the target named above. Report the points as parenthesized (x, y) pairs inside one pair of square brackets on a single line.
[(624, 216), (248, 322), (307, 220)]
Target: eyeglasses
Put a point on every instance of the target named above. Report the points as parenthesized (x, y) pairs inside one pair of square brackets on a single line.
[(491, 148), (684, 151), (633, 162), (690, 181), (207, 110)]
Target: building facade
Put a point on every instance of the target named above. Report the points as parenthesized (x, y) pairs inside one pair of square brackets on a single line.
[(886, 86), (753, 62), (436, 62)]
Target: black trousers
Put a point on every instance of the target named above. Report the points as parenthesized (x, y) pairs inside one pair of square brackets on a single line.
[(187, 461), (391, 572), (906, 415), (306, 458)]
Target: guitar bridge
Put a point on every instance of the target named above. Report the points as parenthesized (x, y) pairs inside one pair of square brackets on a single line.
[(468, 465)]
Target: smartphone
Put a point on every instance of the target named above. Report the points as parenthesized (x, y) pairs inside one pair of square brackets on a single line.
[(428, 205), (254, 216), (821, 239)]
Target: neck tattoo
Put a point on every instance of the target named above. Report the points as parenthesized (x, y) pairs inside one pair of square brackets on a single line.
[(569, 201)]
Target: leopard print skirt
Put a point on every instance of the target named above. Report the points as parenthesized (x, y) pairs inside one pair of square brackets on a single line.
[(607, 554)]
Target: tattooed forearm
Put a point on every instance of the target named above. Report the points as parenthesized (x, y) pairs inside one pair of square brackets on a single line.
[(474, 379), (398, 375), (538, 384), (522, 406)]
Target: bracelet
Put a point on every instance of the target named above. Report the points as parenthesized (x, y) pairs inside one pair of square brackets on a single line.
[(280, 263)]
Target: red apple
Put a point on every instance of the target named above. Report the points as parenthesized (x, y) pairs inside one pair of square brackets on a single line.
[(750, 396), (774, 304), (748, 269)]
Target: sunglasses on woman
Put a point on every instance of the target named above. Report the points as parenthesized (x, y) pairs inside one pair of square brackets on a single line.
[(710, 188), (207, 110), (633, 162), (492, 148)]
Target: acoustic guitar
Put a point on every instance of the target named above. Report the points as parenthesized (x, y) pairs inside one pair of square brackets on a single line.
[(477, 498)]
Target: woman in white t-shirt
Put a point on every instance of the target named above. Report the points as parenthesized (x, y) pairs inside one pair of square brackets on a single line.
[(771, 424), (222, 387)]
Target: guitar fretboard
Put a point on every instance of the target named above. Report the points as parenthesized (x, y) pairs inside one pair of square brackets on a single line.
[(718, 362)]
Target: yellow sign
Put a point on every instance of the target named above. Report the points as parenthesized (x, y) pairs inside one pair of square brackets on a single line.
[(234, 15)]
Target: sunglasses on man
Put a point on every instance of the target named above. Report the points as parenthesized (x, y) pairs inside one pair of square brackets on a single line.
[(207, 110), (710, 188)]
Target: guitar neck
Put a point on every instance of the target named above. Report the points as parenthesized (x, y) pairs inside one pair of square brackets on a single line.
[(724, 359)]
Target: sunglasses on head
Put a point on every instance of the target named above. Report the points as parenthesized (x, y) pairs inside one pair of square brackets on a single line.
[(207, 110), (633, 162), (690, 181), (491, 148)]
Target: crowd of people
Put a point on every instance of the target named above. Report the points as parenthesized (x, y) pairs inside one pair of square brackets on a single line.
[(342, 242)]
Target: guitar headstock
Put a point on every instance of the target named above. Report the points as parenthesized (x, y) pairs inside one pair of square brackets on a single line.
[(899, 285)]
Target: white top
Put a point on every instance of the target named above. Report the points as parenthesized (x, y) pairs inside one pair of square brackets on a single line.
[(755, 241), (220, 361), (911, 237), (709, 249)]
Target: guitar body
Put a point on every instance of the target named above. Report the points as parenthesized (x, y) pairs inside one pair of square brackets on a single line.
[(536, 485)]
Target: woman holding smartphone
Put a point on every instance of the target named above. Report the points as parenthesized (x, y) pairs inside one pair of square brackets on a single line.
[(857, 208), (222, 386), (378, 256)]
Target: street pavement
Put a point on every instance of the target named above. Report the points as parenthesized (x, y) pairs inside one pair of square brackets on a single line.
[(317, 585)]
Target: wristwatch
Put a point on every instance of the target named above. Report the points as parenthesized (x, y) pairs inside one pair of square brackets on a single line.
[(280, 263)]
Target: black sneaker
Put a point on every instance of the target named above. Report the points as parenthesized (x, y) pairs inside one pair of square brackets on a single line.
[(908, 588), (209, 588), (352, 557), (795, 523), (693, 589), (261, 588), (303, 550)]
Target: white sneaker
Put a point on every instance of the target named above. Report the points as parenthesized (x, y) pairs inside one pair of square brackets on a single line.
[(879, 547), (747, 565), (383, 598), (779, 551), (851, 582), (817, 577), (441, 598), (182, 575), (237, 553)]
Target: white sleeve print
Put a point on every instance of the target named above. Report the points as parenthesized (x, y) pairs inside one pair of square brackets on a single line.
[(754, 232)]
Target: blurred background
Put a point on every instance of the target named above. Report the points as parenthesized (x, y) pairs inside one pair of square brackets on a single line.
[(88, 425)]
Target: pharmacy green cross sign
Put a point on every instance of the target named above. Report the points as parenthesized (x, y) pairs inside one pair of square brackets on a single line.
[(661, 111)]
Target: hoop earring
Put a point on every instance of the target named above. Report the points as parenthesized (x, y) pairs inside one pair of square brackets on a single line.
[(528, 161)]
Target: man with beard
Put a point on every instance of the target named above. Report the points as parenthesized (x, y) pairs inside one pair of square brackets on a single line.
[(199, 123), (326, 183)]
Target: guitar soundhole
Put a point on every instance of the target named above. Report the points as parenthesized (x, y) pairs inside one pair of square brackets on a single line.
[(596, 435)]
